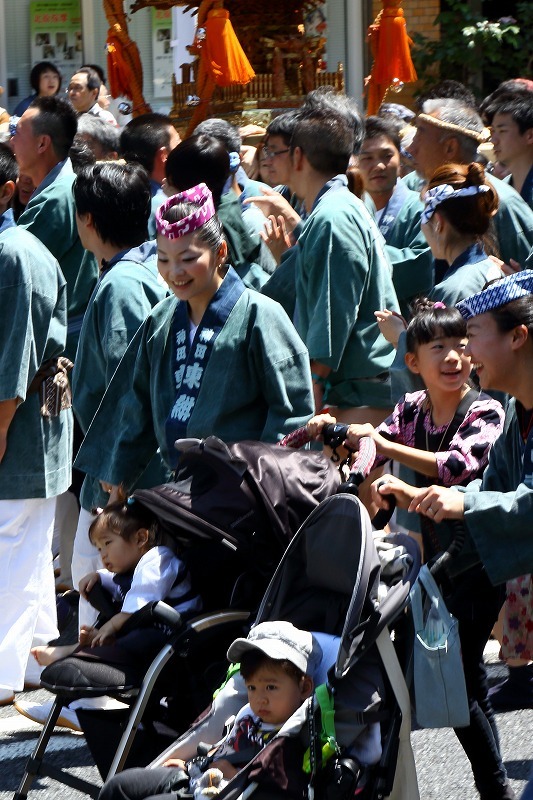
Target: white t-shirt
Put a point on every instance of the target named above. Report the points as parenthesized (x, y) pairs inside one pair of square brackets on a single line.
[(156, 577)]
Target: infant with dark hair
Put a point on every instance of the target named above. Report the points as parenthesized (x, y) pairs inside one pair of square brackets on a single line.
[(277, 661)]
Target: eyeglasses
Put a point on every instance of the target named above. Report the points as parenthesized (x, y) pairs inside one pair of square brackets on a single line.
[(273, 153)]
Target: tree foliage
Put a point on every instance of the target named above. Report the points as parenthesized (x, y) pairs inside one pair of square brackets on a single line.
[(471, 47)]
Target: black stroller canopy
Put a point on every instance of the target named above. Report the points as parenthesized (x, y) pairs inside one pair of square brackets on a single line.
[(241, 493), (246, 501), (329, 577)]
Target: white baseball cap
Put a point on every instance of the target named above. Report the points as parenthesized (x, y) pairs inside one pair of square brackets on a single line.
[(280, 641)]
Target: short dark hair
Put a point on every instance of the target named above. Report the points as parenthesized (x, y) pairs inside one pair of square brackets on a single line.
[(447, 90), (283, 126), (513, 86), (9, 170), (93, 79), (327, 99), (119, 199), (223, 131), (125, 519), (97, 68), (253, 660), (430, 322), (199, 159), (518, 105), (81, 154), (38, 70), (57, 119), (326, 139), (383, 126), (143, 136)]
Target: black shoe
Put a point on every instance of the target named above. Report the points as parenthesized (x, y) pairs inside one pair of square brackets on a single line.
[(515, 692)]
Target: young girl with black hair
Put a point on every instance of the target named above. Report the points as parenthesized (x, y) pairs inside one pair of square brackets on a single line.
[(445, 433)]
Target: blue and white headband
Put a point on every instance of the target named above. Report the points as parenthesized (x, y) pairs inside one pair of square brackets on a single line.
[(434, 197), (234, 161), (497, 294)]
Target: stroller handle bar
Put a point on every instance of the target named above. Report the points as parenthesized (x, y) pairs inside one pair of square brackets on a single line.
[(334, 435)]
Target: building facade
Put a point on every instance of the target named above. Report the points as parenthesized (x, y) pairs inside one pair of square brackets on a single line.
[(24, 40)]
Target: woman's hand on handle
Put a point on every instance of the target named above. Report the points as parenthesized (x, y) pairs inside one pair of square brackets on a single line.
[(384, 487), (438, 503), (316, 424)]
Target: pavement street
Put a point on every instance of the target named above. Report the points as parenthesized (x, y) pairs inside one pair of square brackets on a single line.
[(443, 770)]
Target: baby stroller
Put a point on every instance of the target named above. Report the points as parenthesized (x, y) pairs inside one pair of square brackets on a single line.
[(351, 739), (350, 591), (226, 504)]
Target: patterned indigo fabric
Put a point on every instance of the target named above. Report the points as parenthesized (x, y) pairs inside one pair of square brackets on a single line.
[(497, 294), (434, 197)]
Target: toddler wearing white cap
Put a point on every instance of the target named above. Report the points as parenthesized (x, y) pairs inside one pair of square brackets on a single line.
[(277, 661)]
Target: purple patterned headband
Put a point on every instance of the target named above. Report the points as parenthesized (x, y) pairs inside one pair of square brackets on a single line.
[(434, 197), (497, 294), (196, 219)]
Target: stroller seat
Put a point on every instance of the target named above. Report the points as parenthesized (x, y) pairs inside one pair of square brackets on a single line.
[(366, 682)]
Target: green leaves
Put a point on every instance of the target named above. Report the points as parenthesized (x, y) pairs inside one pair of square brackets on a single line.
[(472, 47)]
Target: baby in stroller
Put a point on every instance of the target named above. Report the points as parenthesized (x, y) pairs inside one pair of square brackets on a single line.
[(277, 661), (138, 571)]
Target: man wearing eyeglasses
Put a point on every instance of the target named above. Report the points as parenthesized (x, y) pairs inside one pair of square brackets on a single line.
[(337, 274), (83, 90), (276, 154)]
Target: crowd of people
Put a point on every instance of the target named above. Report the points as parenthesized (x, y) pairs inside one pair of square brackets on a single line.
[(371, 271)]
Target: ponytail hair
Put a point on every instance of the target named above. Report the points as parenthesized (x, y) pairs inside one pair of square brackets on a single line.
[(470, 215), (126, 517)]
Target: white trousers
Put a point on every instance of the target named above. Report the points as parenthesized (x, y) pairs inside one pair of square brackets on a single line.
[(28, 614), (85, 559)]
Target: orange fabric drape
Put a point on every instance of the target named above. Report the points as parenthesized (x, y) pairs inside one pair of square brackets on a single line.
[(119, 74), (225, 58), (123, 59), (390, 46), (222, 61)]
